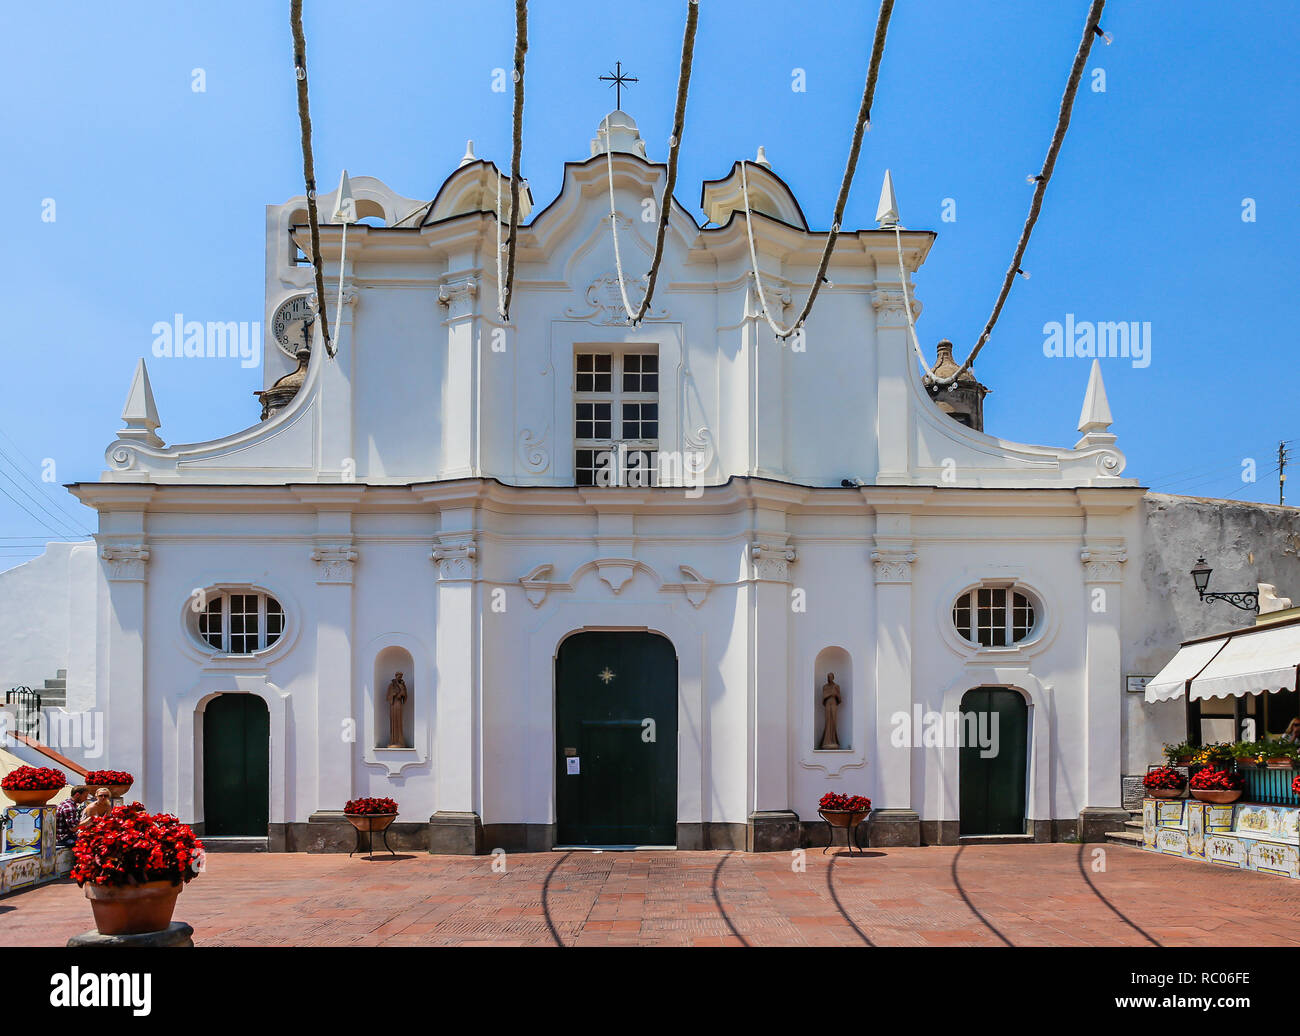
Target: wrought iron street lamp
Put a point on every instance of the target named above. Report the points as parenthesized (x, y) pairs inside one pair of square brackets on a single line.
[(1246, 600)]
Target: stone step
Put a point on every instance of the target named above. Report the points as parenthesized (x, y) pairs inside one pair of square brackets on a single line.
[(995, 840), (1133, 838), (233, 843), (1133, 825)]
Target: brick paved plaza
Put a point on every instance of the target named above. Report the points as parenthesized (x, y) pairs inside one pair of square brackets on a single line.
[(1024, 895)]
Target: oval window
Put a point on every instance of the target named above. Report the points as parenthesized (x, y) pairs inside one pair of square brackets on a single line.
[(240, 623), (994, 616)]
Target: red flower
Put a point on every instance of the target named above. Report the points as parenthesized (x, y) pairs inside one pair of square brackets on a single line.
[(833, 801), (1295, 785), (1211, 779), (128, 846), (34, 778), (108, 778), (1163, 778), (370, 807)]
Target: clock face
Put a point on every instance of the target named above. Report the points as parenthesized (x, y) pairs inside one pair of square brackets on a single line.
[(288, 321)]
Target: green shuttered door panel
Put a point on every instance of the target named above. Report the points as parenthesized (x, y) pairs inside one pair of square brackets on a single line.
[(236, 765), (607, 685), (993, 789)]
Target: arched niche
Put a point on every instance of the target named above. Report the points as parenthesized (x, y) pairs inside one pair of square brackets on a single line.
[(388, 663), (833, 660)]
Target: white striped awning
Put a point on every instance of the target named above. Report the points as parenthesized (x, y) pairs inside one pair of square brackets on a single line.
[(1171, 681), (1252, 662)]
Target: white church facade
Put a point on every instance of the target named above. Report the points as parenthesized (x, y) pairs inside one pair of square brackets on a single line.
[(635, 663)]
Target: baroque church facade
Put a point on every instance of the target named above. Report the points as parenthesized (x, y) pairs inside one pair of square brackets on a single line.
[(614, 565)]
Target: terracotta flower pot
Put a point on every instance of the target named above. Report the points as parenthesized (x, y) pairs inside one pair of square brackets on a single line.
[(842, 817), (118, 791), (1281, 762), (1221, 798), (1247, 764), (1165, 793), (38, 797), (370, 821), (1185, 760), (133, 909)]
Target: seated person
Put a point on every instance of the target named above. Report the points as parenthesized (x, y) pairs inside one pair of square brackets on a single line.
[(102, 804), (1292, 730), (67, 816)]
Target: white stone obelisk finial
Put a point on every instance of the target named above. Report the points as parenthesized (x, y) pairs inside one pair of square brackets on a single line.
[(887, 210), (1095, 419), (140, 412), (469, 154), (345, 205)]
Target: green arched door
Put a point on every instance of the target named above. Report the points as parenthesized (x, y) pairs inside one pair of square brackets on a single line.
[(616, 740), (236, 765), (994, 773)]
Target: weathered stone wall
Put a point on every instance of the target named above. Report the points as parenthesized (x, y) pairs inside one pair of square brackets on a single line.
[(1245, 544)]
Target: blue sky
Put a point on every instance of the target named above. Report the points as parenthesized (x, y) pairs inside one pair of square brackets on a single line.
[(160, 191)]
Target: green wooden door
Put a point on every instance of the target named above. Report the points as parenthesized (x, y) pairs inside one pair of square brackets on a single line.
[(616, 715), (993, 788), (236, 765)]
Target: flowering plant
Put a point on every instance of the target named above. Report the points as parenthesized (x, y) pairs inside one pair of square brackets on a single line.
[(34, 778), (1182, 750), (1211, 779), (371, 807), (1295, 785), (1163, 778), (1214, 756), (127, 846), (835, 802), (108, 778)]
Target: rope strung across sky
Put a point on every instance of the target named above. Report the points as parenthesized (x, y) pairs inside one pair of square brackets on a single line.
[(308, 166), (1091, 29), (521, 48), (666, 202), (863, 123)]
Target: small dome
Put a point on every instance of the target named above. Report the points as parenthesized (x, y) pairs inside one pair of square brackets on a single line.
[(945, 365), (279, 395), (617, 132)]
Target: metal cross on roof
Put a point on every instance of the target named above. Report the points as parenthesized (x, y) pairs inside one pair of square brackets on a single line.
[(618, 80)]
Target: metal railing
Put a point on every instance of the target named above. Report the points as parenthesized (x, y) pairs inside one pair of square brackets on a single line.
[(28, 708), (1272, 787)]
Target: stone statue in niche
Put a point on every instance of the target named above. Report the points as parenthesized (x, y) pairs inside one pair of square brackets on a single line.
[(831, 700), (396, 707)]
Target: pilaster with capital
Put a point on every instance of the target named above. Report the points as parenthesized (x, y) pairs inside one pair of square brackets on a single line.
[(459, 300), (121, 692), (896, 821), (1103, 574), (335, 560), (893, 393)]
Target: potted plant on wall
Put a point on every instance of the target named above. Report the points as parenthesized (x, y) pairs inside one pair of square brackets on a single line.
[(370, 815), (1164, 782), (118, 782), (1180, 754), (132, 866), (33, 785), (1216, 785), (1249, 755), (1280, 755)]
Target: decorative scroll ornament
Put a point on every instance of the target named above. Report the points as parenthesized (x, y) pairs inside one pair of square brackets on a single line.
[(605, 302), (125, 561), (458, 297), (891, 308), (893, 566), (334, 562), (1102, 564), (537, 584), (533, 453), (772, 561), (455, 557)]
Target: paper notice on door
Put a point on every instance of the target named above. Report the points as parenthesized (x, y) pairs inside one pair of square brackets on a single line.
[(571, 765)]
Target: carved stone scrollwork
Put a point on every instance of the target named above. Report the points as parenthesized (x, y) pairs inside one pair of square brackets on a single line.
[(893, 566), (533, 453), (772, 560), (1102, 564), (121, 457), (455, 557), (334, 562), (605, 300), (458, 297), (125, 562), (891, 307)]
